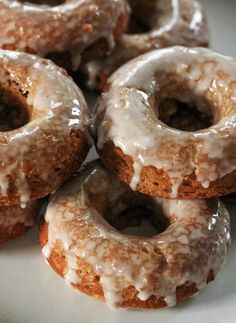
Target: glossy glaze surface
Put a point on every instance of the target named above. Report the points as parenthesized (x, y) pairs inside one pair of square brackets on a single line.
[(128, 114), (70, 27), (170, 23), (215, 304), (56, 108), (155, 265)]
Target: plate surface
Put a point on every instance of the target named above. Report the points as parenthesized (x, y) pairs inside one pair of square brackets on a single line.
[(30, 292)]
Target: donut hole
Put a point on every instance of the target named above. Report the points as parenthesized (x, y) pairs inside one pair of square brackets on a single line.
[(143, 17), (140, 217), (51, 3), (13, 114), (184, 116)]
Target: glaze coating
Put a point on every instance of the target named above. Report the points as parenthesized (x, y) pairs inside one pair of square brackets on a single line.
[(125, 270), (153, 157), (37, 157), (64, 31), (169, 22)]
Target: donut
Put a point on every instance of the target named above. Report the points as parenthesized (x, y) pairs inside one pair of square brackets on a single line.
[(44, 137), (62, 29), (153, 25), (166, 124), (15, 220), (82, 240)]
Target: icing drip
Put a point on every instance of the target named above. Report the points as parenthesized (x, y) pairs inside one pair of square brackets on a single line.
[(154, 265), (55, 111), (127, 114), (69, 28), (71, 276), (46, 251), (170, 22), (170, 300)]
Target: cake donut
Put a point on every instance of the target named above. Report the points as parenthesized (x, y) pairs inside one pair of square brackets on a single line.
[(167, 123), (15, 220), (62, 29), (82, 244), (164, 23), (44, 136)]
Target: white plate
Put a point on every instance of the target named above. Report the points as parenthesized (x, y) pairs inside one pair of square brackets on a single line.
[(30, 291)]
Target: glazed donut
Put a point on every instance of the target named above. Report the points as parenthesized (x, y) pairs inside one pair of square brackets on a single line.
[(45, 136), (15, 220), (147, 99), (62, 30), (80, 243), (164, 23)]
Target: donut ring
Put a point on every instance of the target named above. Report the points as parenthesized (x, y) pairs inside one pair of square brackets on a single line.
[(15, 220), (171, 22), (129, 271), (159, 160), (38, 155), (62, 32)]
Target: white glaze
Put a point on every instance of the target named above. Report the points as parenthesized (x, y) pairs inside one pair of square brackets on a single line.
[(126, 114), (75, 219), (57, 108), (175, 22), (63, 28)]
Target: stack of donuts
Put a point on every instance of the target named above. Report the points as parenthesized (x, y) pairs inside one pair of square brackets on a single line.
[(43, 114), (44, 125), (164, 128)]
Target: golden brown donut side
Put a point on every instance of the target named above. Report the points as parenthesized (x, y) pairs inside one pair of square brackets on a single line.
[(157, 182), (130, 115), (70, 155), (84, 223), (16, 220), (90, 281), (39, 155)]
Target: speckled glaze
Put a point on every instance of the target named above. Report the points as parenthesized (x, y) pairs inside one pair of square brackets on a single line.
[(34, 158), (173, 22), (68, 28), (194, 243), (15, 220), (127, 116)]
